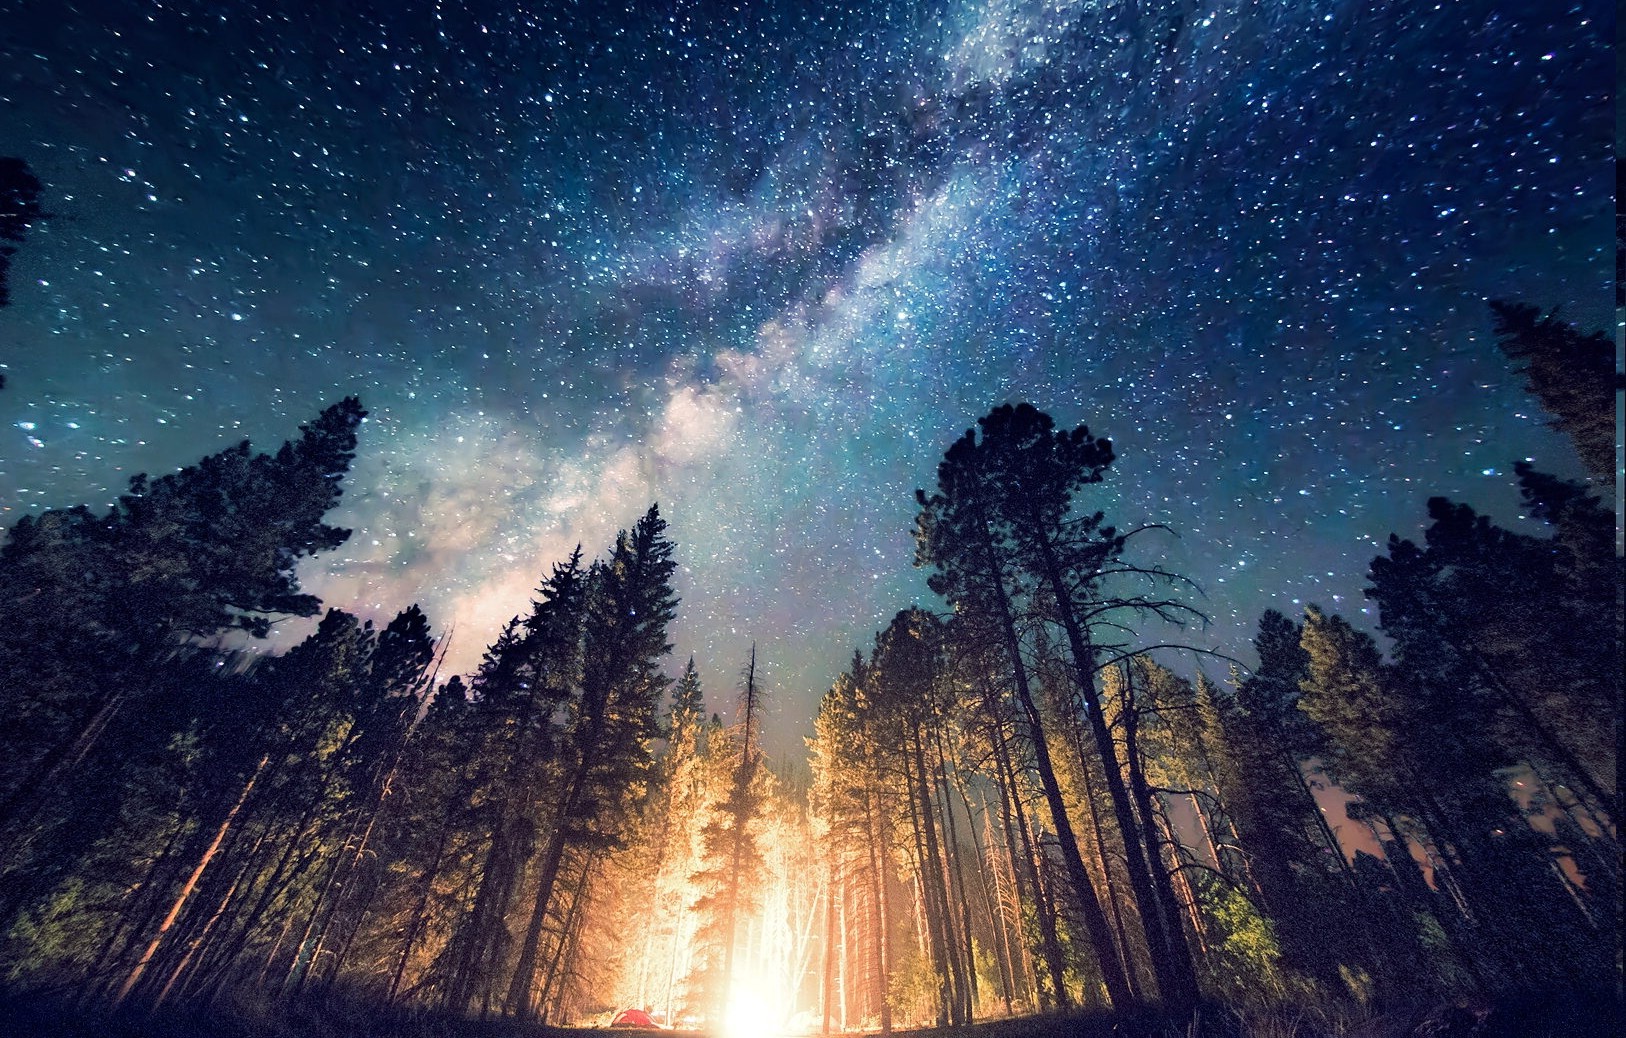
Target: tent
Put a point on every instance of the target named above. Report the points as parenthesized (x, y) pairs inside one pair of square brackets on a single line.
[(633, 1018)]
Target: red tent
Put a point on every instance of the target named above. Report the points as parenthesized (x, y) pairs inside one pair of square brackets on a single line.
[(633, 1018)]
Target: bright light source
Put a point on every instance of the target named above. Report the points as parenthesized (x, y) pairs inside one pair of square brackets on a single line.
[(749, 1014)]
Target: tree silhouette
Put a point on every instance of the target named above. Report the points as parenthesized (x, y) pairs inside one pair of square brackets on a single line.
[(19, 209), (1293, 858), (1005, 517), (1571, 374), (732, 863), (94, 609), (962, 535)]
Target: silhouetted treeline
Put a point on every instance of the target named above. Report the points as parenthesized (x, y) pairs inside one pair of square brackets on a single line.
[(1021, 808), (184, 821), (19, 209), (1016, 803)]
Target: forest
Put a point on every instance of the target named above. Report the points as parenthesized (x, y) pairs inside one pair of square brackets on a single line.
[(1023, 799)]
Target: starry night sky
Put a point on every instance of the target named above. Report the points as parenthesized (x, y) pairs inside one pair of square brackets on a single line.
[(762, 262)]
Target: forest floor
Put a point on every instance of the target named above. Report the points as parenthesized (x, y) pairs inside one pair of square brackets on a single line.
[(1513, 1017)]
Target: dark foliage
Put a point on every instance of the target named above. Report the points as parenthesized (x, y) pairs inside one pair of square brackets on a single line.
[(19, 209), (198, 840), (1572, 374)]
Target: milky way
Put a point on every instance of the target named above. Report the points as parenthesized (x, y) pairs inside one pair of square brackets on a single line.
[(762, 262)]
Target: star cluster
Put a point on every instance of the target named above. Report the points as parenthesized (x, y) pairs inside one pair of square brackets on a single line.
[(762, 262)]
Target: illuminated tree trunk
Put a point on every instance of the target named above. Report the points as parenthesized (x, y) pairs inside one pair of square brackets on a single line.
[(1115, 898), (272, 883), (1171, 958), (952, 861), (190, 885), (310, 939), (1148, 811), (743, 815), (829, 980), (203, 935), (883, 927), (134, 911), (993, 887), (267, 884), (934, 901), (1114, 970), (1015, 821), (1186, 896), (352, 865)]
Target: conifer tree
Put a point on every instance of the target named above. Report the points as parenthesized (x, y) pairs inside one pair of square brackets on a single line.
[(212, 547), (732, 863), (907, 675), (1571, 374), (674, 812), (1291, 855), (1414, 746), (1005, 506), (526, 679), (611, 722), (93, 609), (424, 842), (19, 208), (1511, 618), (851, 804)]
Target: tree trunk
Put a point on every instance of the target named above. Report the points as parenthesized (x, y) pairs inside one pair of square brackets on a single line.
[(993, 892), (1113, 969), (415, 921), (136, 909), (310, 939), (954, 863), (569, 934), (827, 972), (379, 801), (1166, 906), (193, 946), (190, 884), (520, 1001), (1176, 980), (930, 873), (1115, 901), (883, 926), (241, 928), (22, 803), (1011, 805)]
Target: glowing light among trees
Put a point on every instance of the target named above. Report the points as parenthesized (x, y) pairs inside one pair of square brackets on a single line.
[(543, 842), (750, 1013)]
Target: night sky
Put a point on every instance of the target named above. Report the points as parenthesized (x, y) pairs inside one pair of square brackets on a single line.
[(763, 262)]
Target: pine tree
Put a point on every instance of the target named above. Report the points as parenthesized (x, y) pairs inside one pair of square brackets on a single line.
[(906, 673), (424, 842), (383, 713), (527, 678), (1291, 856), (610, 724), (667, 857), (1005, 506), (96, 609), (850, 803), (1413, 744), (729, 878), (19, 208), (285, 773), (1507, 619), (1571, 374)]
